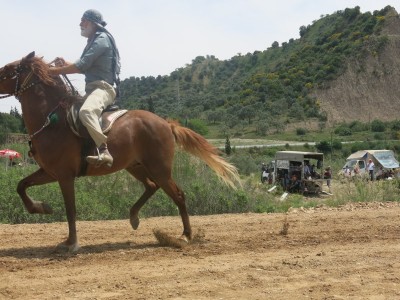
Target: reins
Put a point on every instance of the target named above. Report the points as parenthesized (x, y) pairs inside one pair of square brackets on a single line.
[(25, 86), (46, 123), (18, 91)]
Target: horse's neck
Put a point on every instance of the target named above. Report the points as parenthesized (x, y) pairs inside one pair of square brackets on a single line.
[(36, 108)]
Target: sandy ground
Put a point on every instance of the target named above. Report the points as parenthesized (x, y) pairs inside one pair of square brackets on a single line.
[(351, 252)]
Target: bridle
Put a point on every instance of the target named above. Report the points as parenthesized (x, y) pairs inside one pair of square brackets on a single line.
[(21, 89), (18, 89)]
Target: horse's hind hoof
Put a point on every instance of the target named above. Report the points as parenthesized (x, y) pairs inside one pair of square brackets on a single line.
[(47, 209), (65, 248), (40, 208), (184, 238), (134, 222)]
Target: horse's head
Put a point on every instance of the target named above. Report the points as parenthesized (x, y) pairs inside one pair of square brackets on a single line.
[(15, 77), (11, 75)]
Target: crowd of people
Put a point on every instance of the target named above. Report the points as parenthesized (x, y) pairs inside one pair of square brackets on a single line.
[(291, 179), (371, 170)]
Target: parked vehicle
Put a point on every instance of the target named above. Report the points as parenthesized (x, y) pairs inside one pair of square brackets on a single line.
[(299, 171), (282, 165), (386, 165)]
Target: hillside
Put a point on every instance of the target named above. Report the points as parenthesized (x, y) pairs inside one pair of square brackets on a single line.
[(369, 89), (344, 67)]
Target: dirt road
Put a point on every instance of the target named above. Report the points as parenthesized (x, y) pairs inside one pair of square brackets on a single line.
[(347, 253)]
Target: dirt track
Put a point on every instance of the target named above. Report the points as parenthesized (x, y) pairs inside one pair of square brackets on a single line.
[(347, 253)]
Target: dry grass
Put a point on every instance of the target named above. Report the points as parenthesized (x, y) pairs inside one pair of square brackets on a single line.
[(285, 227)]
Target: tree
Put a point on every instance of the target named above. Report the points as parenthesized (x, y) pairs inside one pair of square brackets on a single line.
[(247, 113), (323, 146), (198, 126), (150, 105), (377, 126), (302, 30), (228, 149)]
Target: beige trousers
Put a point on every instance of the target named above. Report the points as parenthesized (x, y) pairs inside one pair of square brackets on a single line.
[(99, 94)]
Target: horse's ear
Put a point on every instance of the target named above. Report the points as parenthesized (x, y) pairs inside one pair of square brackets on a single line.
[(28, 57)]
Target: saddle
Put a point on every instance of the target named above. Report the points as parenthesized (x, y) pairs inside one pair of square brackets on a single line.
[(109, 115)]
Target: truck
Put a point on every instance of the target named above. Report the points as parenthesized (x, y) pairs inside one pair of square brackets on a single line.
[(386, 165), (298, 171)]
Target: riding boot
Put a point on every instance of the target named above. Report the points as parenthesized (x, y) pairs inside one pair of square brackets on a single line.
[(103, 157)]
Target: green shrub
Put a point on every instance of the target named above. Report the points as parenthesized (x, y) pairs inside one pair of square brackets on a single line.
[(378, 126), (198, 126), (343, 130), (301, 131)]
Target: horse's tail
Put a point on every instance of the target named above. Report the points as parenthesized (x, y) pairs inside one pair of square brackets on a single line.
[(195, 144)]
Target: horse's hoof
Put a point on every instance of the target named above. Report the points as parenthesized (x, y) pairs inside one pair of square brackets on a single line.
[(184, 239), (41, 208), (47, 209), (67, 248), (134, 222)]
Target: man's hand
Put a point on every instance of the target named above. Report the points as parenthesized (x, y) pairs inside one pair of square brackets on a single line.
[(63, 67), (60, 62)]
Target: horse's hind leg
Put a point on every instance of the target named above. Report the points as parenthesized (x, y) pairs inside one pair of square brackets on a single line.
[(37, 178), (150, 188), (177, 195), (170, 188)]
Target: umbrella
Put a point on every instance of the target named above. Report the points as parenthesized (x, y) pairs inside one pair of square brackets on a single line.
[(9, 153)]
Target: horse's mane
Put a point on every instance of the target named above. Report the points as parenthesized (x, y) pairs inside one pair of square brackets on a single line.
[(41, 69)]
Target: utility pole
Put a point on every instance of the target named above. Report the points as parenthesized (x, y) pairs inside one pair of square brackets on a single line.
[(178, 97), (331, 145)]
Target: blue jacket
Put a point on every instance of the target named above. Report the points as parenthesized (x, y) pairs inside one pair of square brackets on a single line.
[(96, 61)]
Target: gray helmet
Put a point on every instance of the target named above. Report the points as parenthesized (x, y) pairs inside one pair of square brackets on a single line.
[(94, 16)]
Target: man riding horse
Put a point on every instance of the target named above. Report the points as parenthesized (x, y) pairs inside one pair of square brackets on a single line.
[(100, 63)]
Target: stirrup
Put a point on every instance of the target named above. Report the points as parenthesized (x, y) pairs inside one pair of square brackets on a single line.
[(102, 158)]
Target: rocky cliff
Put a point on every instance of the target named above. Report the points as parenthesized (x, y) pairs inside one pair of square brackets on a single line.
[(369, 89)]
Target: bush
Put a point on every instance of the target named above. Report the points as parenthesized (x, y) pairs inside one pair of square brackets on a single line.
[(378, 126), (301, 131), (343, 130), (337, 145), (198, 126), (357, 126), (323, 146)]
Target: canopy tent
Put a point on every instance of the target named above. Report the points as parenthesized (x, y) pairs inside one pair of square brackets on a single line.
[(383, 157)]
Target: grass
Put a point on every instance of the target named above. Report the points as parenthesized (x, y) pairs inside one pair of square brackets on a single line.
[(204, 193)]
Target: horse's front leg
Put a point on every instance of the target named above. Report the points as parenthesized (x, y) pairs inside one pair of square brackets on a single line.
[(68, 191), (37, 178)]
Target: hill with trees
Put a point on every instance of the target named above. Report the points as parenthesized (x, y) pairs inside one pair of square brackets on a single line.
[(334, 72)]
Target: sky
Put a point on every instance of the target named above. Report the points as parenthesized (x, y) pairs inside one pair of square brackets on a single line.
[(155, 37)]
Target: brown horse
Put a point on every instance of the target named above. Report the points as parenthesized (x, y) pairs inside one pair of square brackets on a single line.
[(140, 142)]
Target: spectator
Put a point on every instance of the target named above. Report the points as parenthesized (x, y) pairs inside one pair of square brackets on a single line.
[(307, 169), (263, 170), (328, 177), (371, 168), (295, 184), (347, 172)]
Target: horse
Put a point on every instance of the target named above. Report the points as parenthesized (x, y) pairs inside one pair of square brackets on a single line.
[(140, 142)]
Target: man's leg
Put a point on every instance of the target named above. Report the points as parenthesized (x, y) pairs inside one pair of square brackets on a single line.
[(102, 96)]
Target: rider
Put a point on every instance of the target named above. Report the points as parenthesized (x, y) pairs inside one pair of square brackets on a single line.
[(100, 63)]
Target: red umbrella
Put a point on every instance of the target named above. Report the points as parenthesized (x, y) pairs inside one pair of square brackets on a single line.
[(9, 153)]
